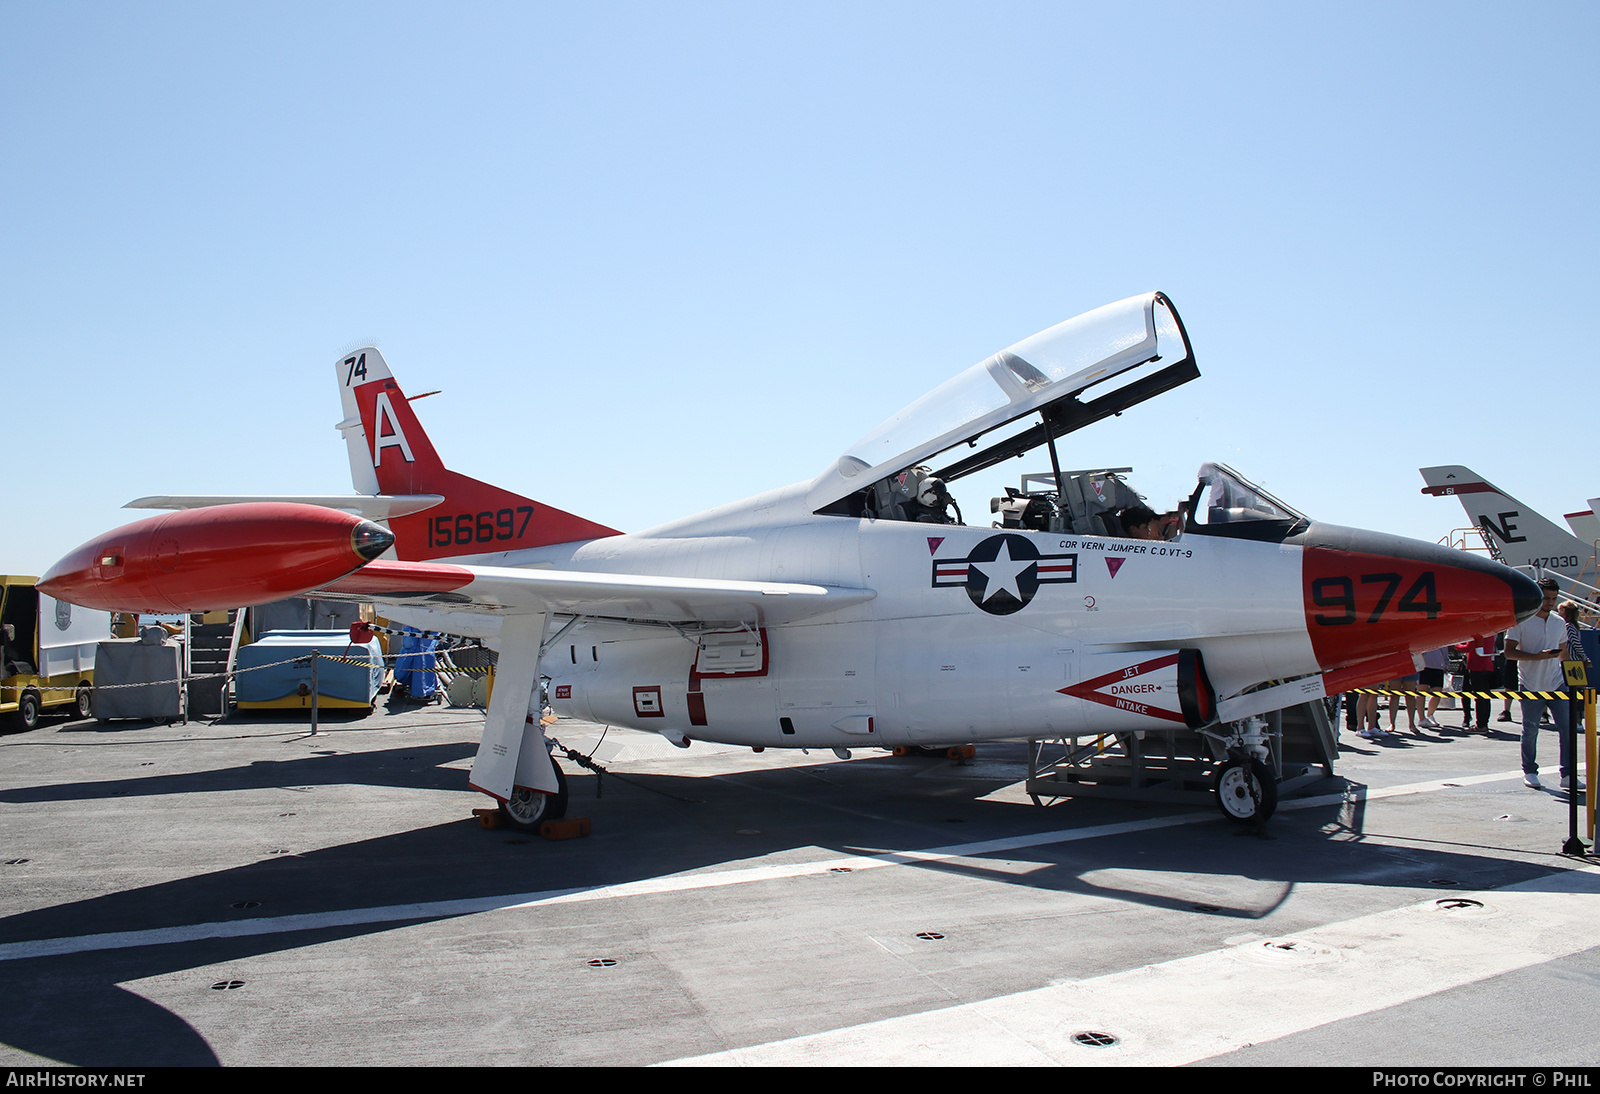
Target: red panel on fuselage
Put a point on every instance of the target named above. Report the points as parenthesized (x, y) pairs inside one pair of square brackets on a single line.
[(1364, 606)]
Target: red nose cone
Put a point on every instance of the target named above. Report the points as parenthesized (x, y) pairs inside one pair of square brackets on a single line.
[(222, 556), (1369, 595)]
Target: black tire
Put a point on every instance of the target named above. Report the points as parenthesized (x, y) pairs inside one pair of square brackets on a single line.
[(528, 809), (30, 710), (83, 702), (1246, 797)]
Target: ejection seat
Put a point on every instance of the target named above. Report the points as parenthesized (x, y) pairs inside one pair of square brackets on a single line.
[(1087, 504)]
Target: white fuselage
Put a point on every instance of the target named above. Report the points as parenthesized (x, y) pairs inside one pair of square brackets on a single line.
[(923, 662)]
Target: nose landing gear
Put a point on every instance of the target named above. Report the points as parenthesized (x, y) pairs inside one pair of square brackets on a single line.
[(1246, 791)]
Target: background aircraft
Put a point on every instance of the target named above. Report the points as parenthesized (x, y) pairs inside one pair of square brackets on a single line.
[(1517, 536), (1584, 524), (858, 607)]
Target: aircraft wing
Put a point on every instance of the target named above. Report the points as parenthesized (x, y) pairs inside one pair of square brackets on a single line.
[(500, 590), (371, 506)]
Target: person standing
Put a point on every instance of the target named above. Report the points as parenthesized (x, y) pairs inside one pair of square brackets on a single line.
[(1367, 716), (1481, 676), (1575, 652), (1537, 645), (1507, 671), (1405, 687), (1435, 663)]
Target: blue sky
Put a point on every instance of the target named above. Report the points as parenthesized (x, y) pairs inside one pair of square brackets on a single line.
[(661, 256)]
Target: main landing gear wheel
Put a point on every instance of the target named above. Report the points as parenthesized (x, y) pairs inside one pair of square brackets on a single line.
[(528, 809), (1246, 795)]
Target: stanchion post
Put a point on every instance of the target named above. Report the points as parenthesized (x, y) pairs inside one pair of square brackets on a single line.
[(1590, 756), (314, 655), (1574, 679)]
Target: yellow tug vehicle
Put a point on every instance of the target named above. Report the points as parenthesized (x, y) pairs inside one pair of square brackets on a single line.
[(47, 649)]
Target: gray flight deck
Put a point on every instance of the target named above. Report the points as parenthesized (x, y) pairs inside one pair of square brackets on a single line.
[(740, 908)]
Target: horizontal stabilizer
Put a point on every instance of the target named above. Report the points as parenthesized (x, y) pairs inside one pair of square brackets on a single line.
[(371, 506), (1584, 525), (498, 590)]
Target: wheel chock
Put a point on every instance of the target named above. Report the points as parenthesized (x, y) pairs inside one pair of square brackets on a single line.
[(566, 828), (487, 818), (954, 752)]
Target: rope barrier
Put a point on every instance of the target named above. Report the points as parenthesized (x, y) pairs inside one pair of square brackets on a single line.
[(302, 659)]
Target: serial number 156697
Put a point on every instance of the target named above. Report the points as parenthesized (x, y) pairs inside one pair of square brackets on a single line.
[(485, 527)]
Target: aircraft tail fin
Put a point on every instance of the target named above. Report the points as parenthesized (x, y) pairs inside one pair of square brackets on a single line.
[(391, 454), (1517, 535)]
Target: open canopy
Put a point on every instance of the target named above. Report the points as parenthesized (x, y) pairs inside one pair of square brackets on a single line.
[(1042, 375)]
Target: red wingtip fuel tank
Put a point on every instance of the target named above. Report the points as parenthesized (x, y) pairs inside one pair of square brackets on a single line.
[(1371, 597), (221, 556)]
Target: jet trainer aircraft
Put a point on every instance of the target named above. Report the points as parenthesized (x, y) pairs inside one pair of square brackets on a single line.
[(856, 608)]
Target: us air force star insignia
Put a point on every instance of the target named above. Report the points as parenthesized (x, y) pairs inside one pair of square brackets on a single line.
[(1002, 573)]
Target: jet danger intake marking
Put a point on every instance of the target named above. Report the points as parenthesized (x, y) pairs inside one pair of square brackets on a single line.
[(1149, 688), (1002, 573)]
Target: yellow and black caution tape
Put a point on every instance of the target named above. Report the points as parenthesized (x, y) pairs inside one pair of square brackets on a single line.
[(1468, 694), (341, 659), (447, 670)]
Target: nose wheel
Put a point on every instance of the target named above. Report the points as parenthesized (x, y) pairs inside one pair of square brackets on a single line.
[(1246, 791)]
